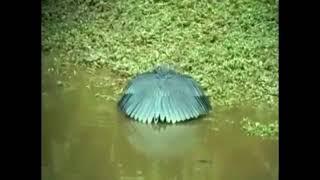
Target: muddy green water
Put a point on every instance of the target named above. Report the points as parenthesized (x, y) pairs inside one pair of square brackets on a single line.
[(85, 137)]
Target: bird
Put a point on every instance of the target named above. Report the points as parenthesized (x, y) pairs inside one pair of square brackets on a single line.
[(163, 95)]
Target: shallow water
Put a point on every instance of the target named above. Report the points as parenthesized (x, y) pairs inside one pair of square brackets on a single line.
[(85, 137)]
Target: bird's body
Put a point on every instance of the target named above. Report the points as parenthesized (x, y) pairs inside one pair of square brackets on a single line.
[(163, 95)]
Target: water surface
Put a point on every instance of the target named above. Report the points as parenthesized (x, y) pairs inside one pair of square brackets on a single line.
[(85, 137)]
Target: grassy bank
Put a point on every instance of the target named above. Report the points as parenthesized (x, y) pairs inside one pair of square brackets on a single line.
[(229, 46)]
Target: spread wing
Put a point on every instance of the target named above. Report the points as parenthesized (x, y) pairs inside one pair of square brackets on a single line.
[(172, 98)]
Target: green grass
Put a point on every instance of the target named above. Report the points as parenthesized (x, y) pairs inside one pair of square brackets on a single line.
[(229, 46), (267, 130)]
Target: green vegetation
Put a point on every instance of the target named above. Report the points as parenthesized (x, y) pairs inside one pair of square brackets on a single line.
[(229, 46), (258, 129)]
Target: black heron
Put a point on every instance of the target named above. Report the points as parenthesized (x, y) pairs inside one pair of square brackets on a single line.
[(163, 95)]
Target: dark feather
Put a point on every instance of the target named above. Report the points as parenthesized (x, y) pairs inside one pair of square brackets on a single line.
[(163, 95)]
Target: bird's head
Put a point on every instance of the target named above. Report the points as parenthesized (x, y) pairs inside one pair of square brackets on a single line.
[(163, 69)]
